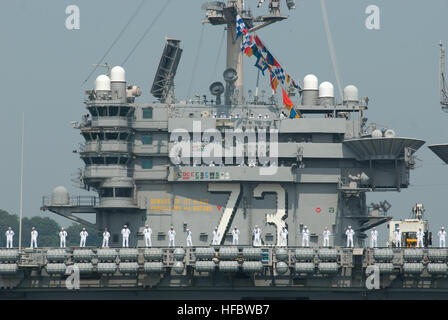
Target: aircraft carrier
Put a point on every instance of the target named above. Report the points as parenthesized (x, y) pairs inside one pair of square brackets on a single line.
[(225, 162)]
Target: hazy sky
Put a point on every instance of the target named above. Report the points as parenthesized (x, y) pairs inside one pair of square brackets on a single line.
[(44, 65)]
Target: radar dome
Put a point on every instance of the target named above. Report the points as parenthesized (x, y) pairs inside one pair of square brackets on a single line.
[(310, 82), (60, 196), (102, 83), (350, 93), (377, 133), (389, 133), (326, 90), (117, 74)]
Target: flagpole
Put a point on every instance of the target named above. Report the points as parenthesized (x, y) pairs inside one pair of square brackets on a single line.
[(331, 47), (21, 184)]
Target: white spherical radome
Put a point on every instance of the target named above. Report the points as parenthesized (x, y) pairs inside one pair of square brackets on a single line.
[(102, 83), (310, 82), (326, 90), (117, 74)]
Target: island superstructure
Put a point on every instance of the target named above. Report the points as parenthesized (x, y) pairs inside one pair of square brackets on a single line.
[(325, 163), (223, 162)]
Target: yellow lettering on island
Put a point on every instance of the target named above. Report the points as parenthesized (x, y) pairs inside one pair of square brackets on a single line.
[(165, 204)]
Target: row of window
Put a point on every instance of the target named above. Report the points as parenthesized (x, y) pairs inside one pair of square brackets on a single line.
[(105, 160), (146, 163), (115, 192), (114, 111), (123, 136), (110, 111), (89, 136)]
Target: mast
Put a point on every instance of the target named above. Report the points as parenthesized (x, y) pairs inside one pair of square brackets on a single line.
[(442, 84), (234, 54), (21, 183), (219, 13)]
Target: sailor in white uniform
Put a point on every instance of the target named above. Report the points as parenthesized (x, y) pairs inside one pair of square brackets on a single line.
[(442, 237), (171, 237), (326, 234), (106, 236), (189, 235), (257, 236), (305, 237), (34, 235), (398, 238), (235, 236), (9, 237), (350, 233), (147, 232), (216, 235), (283, 237), (125, 232), (420, 238), (62, 238), (374, 238), (83, 235)]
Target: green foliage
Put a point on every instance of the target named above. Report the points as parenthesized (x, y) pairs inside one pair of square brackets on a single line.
[(48, 231), (8, 220), (94, 238), (47, 228)]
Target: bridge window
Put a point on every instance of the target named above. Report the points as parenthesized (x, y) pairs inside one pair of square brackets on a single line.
[(111, 135), (107, 192), (123, 192), (113, 111), (124, 136), (147, 113), (93, 111), (112, 160), (147, 164), (147, 139), (123, 160), (102, 111), (97, 160), (124, 111)]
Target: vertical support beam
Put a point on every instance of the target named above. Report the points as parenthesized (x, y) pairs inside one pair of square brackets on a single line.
[(21, 184), (234, 54)]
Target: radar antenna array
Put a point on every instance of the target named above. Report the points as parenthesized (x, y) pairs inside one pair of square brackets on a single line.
[(163, 85)]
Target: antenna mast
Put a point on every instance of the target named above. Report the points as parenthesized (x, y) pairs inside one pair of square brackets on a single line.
[(219, 13), (442, 84)]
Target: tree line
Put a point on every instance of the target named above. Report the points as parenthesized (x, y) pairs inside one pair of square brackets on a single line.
[(48, 231)]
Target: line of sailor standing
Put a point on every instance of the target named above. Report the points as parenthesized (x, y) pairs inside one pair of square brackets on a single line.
[(217, 239)]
